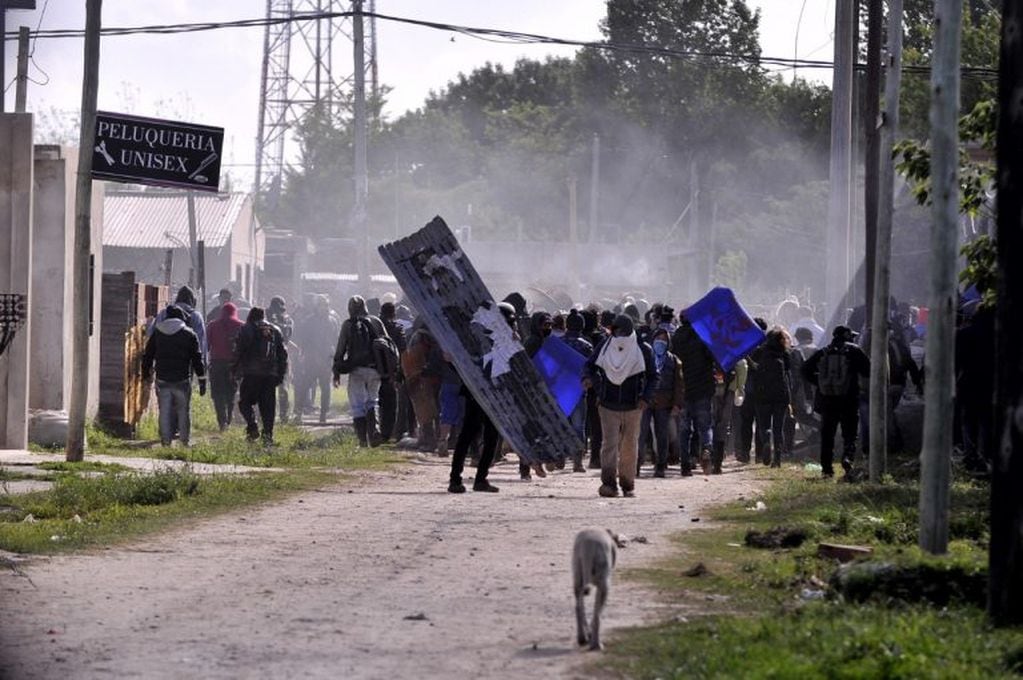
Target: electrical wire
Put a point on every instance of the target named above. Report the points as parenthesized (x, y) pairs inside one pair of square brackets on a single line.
[(499, 35)]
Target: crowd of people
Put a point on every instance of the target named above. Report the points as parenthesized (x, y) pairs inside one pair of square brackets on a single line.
[(653, 390)]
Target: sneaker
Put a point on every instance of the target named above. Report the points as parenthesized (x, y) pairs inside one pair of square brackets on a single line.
[(485, 486), (606, 491), (847, 464), (716, 470), (628, 493), (526, 477), (659, 473), (456, 487), (687, 472), (578, 467), (827, 473), (538, 469), (705, 462)]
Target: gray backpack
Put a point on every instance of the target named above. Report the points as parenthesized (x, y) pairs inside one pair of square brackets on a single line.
[(834, 374)]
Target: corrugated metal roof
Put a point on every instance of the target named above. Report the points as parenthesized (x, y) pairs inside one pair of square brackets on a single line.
[(143, 219)]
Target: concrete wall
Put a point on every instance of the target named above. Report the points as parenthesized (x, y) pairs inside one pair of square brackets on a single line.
[(16, 170), (53, 232)]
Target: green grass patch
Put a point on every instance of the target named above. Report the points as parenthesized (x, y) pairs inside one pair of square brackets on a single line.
[(760, 612), (81, 466), (98, 509)]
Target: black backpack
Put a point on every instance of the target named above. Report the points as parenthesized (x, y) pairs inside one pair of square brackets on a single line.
[(266, 346), (834, 373), (360, 343)]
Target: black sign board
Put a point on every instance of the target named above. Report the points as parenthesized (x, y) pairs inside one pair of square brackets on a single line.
[(158, 152)]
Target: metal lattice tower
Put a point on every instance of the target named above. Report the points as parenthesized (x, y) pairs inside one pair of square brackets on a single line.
[(306, 64)]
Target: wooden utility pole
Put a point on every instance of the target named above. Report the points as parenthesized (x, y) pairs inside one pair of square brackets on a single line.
[(879, 322), (1005, 589), (81, 310), (21, 89), (361, 175), (840, 200), (936, 457)]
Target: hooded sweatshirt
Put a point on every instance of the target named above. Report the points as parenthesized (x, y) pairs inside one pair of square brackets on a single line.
[(346, 342), (222, 332), (185, 301), (175, 349), (537, 334)]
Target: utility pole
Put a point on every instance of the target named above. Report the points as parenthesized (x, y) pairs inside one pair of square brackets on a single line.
[(696, 264), (359, 221), (21, 89), (840, 199), (594, 187), (872, 139), (879, 322), (936, 457), (4, 6), (1005, 566), (573, 231), (193, 246), (81, 310)]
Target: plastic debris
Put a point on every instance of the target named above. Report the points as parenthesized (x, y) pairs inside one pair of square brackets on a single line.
[(813, 467), (812, 594), (30, 519)]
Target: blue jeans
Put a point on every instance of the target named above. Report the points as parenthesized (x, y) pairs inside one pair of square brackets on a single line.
[(363, 390), (174, 399), (696, 425)]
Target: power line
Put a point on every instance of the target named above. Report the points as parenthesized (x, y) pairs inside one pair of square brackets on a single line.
[(493, 35)]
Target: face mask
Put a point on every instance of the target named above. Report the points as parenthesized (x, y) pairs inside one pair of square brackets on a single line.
[(660, 346), (558, 334)]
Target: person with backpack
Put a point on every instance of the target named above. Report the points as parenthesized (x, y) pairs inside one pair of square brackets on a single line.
[(175, 350), (277, 314), (835, 371), (261, 359), (698, 366), (222, 333), (355, 357)]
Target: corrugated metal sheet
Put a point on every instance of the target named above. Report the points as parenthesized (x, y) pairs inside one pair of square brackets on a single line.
[(159, 220)]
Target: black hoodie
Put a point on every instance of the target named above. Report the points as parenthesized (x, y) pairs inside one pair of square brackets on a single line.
[(175, 349)]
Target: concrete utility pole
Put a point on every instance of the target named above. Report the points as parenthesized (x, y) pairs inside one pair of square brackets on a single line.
[(879, 374), (840, 201), (936, 457), (359, 221), (872, 139), (75, 450), (193, 246), (4, 6), (1005, 587), (21, 89), (594, 188)]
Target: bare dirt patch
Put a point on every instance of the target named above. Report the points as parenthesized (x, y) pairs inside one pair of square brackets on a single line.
[(389, 577)]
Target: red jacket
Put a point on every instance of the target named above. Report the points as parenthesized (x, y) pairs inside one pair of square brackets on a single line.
[(221, 333)]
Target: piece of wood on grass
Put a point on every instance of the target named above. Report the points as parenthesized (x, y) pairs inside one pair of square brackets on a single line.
[(843, 553)]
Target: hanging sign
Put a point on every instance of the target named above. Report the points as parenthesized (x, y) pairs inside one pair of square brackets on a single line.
[(157, 152)]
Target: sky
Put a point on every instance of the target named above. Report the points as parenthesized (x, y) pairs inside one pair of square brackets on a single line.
[(213, 77)]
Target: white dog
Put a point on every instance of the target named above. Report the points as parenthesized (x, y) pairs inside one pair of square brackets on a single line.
[(593, 559)]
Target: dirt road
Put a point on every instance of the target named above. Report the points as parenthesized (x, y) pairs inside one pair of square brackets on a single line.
[(390, 577)]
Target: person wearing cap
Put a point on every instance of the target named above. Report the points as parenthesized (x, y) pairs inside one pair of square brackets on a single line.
[(174, 348), (835, 371), (621, 370)]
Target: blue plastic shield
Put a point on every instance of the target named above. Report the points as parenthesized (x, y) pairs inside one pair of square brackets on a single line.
[(724, 326), (562, 369)]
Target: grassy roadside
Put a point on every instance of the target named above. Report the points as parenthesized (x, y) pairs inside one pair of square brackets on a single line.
[(783, 613), (92, 504)]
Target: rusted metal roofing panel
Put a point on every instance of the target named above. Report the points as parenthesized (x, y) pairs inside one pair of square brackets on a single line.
[(158, 219), (461, 313)]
